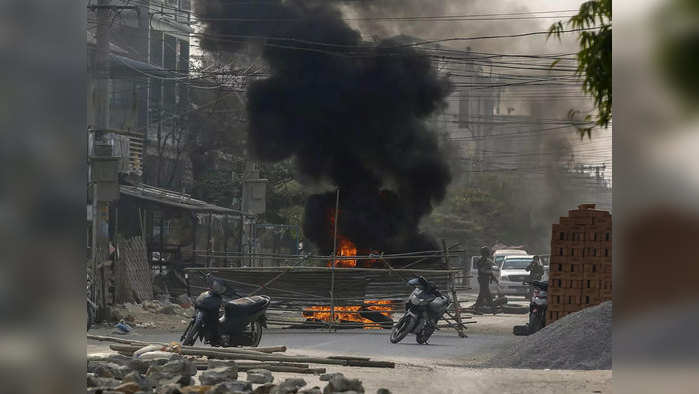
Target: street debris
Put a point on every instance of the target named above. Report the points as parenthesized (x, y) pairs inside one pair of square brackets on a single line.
[(154, 314), (260, 376), (122, 328), (173, 369), (581, 340)]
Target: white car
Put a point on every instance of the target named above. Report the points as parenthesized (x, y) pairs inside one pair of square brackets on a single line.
[(512, 274), (498, 257)]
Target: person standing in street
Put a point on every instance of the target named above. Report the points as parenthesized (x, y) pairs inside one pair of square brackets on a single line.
[(535, 269), (536, 272), (485, 275)]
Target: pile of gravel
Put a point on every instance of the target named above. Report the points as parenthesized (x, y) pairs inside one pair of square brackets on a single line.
[(581, 340)]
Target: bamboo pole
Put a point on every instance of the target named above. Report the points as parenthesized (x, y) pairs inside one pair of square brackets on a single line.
[(235, 350), (284, 368), (350, 358), (414, 255), (278, 367), (407, 255), (204, 362), (269, 282), (257, 350), (121, 340), (255, 364), (321, 269), (333, 261), (455, 298), (280, 358), (239, 356)]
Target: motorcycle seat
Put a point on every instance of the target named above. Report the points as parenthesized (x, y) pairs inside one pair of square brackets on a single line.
[(246, 305)]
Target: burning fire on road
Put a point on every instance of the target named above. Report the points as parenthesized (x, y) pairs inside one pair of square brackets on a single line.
[(370, 312)]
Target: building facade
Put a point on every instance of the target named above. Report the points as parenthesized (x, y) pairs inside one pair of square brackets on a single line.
[(149, 50)]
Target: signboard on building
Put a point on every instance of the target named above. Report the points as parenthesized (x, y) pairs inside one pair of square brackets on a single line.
[(254, 196)]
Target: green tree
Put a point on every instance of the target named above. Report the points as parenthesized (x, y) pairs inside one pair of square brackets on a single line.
[(216, 144), (285, 195), (594, 20), (677, 48)]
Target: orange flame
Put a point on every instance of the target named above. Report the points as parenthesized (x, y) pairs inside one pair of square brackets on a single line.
[(349, 313), (345, 248)]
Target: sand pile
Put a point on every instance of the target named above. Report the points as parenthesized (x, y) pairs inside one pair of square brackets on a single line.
[(582, 340)]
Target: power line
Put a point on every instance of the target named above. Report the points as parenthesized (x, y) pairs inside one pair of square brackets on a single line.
[(239, 37), (443, 18)]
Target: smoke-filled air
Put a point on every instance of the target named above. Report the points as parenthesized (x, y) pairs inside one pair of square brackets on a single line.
[(351, 113)]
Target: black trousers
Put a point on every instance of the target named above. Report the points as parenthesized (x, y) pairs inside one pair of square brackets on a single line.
[(484, 296)]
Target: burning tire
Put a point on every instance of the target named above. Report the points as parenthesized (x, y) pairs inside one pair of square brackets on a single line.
[(384, 321)]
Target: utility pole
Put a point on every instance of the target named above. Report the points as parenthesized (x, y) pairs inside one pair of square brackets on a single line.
[(253, 204), (103, 165), (100, 209), (334, 261), (102, 66)]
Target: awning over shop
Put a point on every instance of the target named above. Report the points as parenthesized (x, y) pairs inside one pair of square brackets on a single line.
[(124, 67), (168, 198)]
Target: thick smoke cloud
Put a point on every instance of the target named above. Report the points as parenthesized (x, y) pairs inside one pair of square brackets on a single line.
[(349, 112)]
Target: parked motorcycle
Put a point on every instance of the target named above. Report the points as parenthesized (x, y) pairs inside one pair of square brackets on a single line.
[(537, 309), (424, 308), (242, 321)]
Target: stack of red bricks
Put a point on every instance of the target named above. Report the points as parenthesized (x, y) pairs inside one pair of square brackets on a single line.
[(580, 273)]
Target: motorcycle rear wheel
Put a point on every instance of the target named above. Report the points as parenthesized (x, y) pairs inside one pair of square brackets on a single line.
[(424, 336), (402, 328)]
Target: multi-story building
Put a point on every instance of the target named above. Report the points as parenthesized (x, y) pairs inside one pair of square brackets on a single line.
[(148, 87)]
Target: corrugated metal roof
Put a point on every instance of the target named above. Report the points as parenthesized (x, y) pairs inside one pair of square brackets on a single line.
[(173, 199)]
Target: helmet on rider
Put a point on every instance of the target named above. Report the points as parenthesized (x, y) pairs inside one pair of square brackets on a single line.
[(217, 286), (485, 251)]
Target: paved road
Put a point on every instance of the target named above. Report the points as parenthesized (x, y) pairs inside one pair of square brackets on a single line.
[(444, 348), (440, 367)]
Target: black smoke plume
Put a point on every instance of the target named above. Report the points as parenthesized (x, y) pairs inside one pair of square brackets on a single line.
[(350, 112)]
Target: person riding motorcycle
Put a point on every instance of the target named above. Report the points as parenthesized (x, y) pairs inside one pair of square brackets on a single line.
[(485, 277)]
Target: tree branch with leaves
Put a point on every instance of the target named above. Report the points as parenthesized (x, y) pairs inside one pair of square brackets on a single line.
[(594, 20)]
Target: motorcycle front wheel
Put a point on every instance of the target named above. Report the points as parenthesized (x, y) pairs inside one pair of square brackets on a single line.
[(402, 328), (191, 333), (255, 333)]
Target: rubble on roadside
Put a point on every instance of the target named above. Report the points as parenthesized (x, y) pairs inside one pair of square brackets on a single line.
[(179, 375), (154, 313), (174, 369)]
